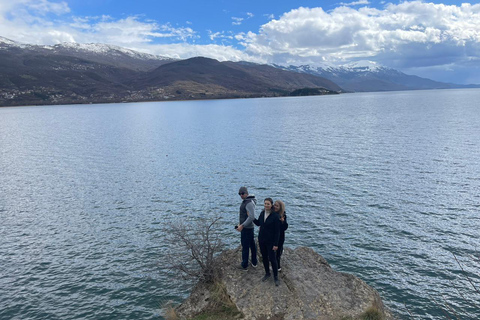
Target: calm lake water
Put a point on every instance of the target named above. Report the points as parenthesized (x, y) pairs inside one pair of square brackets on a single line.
[(384, 185)]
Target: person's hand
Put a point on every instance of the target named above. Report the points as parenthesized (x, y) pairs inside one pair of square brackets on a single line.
[(282, 219), (275, 248), (240, 228)]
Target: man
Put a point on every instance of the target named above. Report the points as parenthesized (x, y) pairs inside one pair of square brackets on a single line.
[(245, 227)]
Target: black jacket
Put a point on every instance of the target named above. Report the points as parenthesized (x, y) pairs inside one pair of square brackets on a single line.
[(269, 229), (283, 227)]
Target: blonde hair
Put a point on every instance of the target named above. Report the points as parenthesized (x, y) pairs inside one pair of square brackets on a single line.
[(281, 212)]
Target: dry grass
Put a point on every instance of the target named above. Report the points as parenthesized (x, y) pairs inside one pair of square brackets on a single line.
[(170, 313), (372, 313), (220, 306)]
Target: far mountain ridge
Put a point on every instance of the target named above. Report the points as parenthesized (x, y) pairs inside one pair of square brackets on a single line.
[(367, 76)]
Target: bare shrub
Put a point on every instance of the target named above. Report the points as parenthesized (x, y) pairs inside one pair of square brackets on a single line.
[(194, 246)]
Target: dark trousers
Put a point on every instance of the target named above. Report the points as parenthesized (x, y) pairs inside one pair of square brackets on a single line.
[(248, 244), (269, 256), (279, 254)]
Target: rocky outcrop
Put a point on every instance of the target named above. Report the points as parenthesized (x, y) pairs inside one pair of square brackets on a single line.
[(309, 289)]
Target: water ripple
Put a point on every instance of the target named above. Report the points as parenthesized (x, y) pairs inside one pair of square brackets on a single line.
[(385, 190)]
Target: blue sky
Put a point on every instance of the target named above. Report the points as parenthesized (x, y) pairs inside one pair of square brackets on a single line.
[(438, 40)]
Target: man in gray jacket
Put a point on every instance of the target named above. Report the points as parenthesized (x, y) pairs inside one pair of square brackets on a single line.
[(247, 215)]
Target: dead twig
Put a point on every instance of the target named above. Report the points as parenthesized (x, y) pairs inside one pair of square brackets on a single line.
[(466, 276)]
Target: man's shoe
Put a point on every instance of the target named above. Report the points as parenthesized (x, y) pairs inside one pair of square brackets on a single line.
[(277, 282), (254, 265), (265, 277), (279, 269), (242, 268)]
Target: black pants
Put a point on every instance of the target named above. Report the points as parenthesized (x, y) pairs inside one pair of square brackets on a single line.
[(269, 257), (248, 245), (279, 254)]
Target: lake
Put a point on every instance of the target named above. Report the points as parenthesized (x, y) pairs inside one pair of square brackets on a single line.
[(385, 186)]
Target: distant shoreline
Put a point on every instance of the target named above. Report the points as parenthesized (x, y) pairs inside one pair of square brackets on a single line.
[(162, 100), (211, 98)]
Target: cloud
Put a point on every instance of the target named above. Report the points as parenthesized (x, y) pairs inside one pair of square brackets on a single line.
[(30, 21), (237, 21), (219, 35), (356, 3), (45, 7), (185, 50), (31, 7), (410, 34)]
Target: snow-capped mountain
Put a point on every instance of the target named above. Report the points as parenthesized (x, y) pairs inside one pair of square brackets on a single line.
[(97, 52), (7, 42), (365, 76), (110, 54)]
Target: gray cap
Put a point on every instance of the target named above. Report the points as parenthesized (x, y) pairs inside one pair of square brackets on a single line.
[(243, 190)]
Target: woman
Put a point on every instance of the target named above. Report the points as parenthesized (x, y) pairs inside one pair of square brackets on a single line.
[(268, 237), (279, 207)]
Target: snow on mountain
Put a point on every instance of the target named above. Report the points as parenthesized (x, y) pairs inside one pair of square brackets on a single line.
[(89, 48), (361, 76), (364, 65), (99, 48), (6, 43)]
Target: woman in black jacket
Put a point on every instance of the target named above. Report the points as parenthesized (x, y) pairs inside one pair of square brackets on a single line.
[(268, 238), (279, 207)]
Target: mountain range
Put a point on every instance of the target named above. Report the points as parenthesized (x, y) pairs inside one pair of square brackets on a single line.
[(98, 73), (365, 76)]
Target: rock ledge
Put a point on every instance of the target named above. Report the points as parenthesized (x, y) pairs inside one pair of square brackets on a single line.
[(309, 289)]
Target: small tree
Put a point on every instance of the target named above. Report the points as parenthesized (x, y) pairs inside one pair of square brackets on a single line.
[(194, 246)]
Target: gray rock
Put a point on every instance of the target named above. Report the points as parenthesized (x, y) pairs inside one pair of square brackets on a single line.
[(309, 289)]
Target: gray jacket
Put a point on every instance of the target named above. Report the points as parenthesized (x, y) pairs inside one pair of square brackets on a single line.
[(248, 205)]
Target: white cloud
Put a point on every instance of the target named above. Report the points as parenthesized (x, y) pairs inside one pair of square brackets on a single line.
[(355, 3), (250, 15), (237, 21), (39, 7), (399, 35), (219, 35), (240, 36), (26, 21), (185, 50), (44, 7)]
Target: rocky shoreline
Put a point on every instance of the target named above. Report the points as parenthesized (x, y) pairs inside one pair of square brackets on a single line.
[(309, 289)]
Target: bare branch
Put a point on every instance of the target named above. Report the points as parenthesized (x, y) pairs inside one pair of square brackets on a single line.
[(441, 309), (468, 278), (195, 244), (411, 315)]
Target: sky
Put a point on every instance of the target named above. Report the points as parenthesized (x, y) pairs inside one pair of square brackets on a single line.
[(439, 40)]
